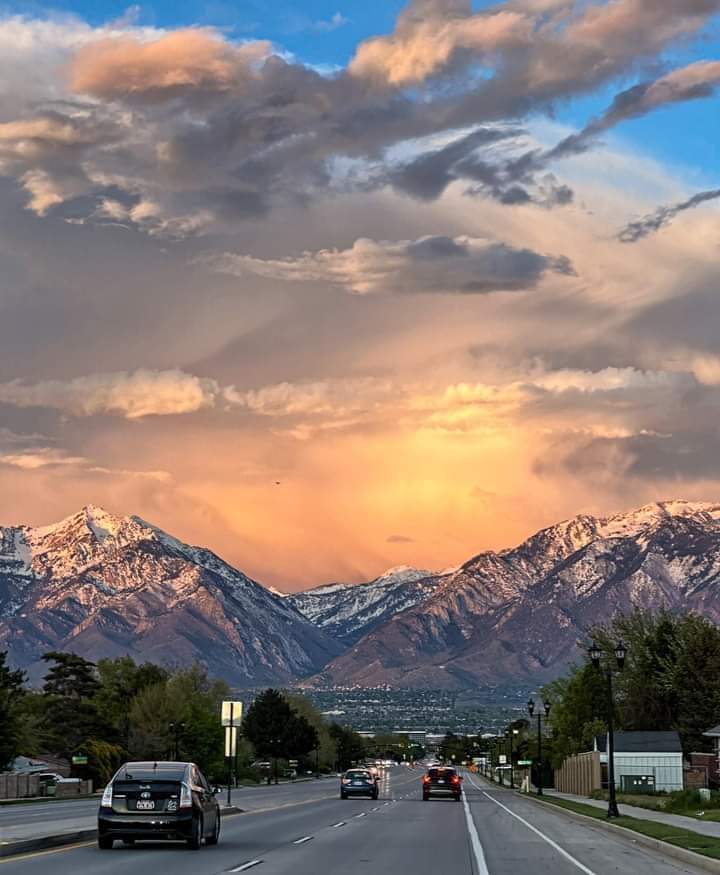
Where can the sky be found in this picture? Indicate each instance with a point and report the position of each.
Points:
(331, 287)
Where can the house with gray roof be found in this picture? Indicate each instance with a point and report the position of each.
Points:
(644, 761)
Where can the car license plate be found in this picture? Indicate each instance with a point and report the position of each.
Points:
(358, 783)
(441, 781)
(145, 805)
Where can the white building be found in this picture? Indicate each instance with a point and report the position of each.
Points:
(644, 761)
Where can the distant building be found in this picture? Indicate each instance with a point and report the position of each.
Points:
(644, 761)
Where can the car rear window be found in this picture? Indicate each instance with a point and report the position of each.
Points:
(146, 772)
(357, 774)
(441, 773)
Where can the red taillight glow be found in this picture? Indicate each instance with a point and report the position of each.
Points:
(456, 779)
(426, 779)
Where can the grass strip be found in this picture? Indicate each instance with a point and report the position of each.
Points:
(708, 846)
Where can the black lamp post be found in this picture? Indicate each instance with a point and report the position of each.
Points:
(606, 664)
(531, 709)
(512, 732)
(177, 729)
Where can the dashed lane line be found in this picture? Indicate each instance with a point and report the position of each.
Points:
(303, 840)
(338, 825)
(245, 866)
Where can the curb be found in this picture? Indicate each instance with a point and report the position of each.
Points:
(57, 840)
(11, 849)
(709, 864)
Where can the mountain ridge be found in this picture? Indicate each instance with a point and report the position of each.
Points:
(105, 585)
(518, 613)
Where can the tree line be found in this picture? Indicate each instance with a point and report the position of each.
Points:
(117, 710)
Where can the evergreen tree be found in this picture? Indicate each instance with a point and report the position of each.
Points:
(11, 693)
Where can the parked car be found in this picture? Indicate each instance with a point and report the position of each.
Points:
(159, 800)
(442, 781)
(358, 782)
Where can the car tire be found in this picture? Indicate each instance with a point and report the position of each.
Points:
(105, 843)
(215, 837)
(457, 798)
(195, 840)
(343, 795)
(426, 798)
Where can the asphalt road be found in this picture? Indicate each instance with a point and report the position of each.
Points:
(51, 816)
(492, 832)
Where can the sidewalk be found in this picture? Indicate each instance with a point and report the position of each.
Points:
(704, 827)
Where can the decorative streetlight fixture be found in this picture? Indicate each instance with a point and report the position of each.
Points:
(531, 709)
(605, 663)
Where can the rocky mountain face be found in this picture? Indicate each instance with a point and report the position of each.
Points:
(519, 613)
(350, 611)
(103, 586)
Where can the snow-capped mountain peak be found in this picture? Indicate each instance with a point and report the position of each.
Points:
(100, 585)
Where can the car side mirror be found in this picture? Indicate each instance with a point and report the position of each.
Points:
(217, 791)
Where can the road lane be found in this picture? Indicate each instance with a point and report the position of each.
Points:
(399, 832)
(244, 837)
(514, 830)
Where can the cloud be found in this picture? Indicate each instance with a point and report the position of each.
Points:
(333, 23)
(184, 61)
(41, 458)
(437, 265)
(212, 132)
(132, 395)
(663, 216)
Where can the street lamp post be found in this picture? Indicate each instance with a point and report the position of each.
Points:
(531, 709)
(606, 665)
(177, 729)
(512, 732)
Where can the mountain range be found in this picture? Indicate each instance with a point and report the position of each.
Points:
(103, 585)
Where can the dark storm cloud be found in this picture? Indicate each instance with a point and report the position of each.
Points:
(435, 265)
(663, 216)
(202, 130)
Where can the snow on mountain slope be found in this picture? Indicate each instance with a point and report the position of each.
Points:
(519, 614)
(349, 611)
(106, 585)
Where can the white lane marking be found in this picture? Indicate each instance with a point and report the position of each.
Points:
(303, 840)
(475, 840)
(555, 845)
(362, 814)
(338, 825)
(246, 866)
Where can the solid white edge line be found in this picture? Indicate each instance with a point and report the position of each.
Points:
(569, 857)
(475, 842)
(302, 840)
(246, 866)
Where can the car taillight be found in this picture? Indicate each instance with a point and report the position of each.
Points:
(106, 801)
(426, 779)
(185, 796)
(346, 780)
(456, 779)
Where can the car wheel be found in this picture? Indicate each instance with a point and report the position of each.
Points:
(105, 843)
(195, 840)
(426, 798)
(214, 838)
(343, 795)
(457, 798)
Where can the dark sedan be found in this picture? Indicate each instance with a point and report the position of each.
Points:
(442, 781)
(159, 800)
(358, 782)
